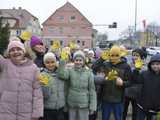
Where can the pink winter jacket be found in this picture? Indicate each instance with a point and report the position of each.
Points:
(20, 92)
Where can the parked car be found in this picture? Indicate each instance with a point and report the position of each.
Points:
(153, 50)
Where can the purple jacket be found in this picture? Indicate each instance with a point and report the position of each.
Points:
(20, 92)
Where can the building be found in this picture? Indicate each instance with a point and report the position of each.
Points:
(20, 20)
(67, 24)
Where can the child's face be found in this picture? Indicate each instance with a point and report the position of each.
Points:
(135, 55)
(50, 64)
(90, 55)
(16, 54)
(79, 62)
(39, 48)
(155, 66)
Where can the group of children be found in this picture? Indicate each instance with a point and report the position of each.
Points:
(73, 85)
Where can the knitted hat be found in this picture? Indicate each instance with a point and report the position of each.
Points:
(115, 50)
(49, 55)
(154, 58)
(115, 55)
(91, 52)
(78, 53)
(15, 43)
(35, 41)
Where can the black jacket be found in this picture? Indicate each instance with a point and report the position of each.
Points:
(149, 98)
(110, 91)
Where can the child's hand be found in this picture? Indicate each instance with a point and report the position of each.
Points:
(119, 81)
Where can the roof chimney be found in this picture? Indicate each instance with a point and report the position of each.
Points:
(13, 8)
(20, 8)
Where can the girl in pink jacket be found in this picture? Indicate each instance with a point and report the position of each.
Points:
(20, 92)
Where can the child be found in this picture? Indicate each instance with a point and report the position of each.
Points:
(117, 74)
(149, 99)
(81, 96)
(131, 93)
(53, 90)
(39, 49)
(20, 92)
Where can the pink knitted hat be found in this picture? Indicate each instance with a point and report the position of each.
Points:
(15, 43)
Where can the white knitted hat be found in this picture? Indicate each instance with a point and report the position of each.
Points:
(49, 55)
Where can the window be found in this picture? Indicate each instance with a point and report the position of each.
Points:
(61, 42)
(83, 43)
(61, 18)
(83, 27)
(61, 30)
(51, 42)
(72, 18)
(50, 29)
(78, 41)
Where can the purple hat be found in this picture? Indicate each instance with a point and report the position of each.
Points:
(35, 41)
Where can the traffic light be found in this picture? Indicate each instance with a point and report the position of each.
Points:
(114, 25)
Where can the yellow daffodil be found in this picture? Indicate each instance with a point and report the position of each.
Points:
(138, 63)
(64, 55)
(26, 36)
(56, 44)
(72, 45)
(112, 75)
(105, 55)
(44, 79)
(124, 51)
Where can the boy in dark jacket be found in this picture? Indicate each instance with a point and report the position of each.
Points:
(117, 74)
(149, 99)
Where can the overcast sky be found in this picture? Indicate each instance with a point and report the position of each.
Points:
(96, 11)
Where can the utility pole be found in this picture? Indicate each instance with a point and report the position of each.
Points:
(135, 29)
(135, 24)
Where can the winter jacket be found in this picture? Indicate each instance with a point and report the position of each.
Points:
(110, 91)
(20, 92)
(39, 60)
(134, 89)
(54, 92)
(81, 88)
(149, 98)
